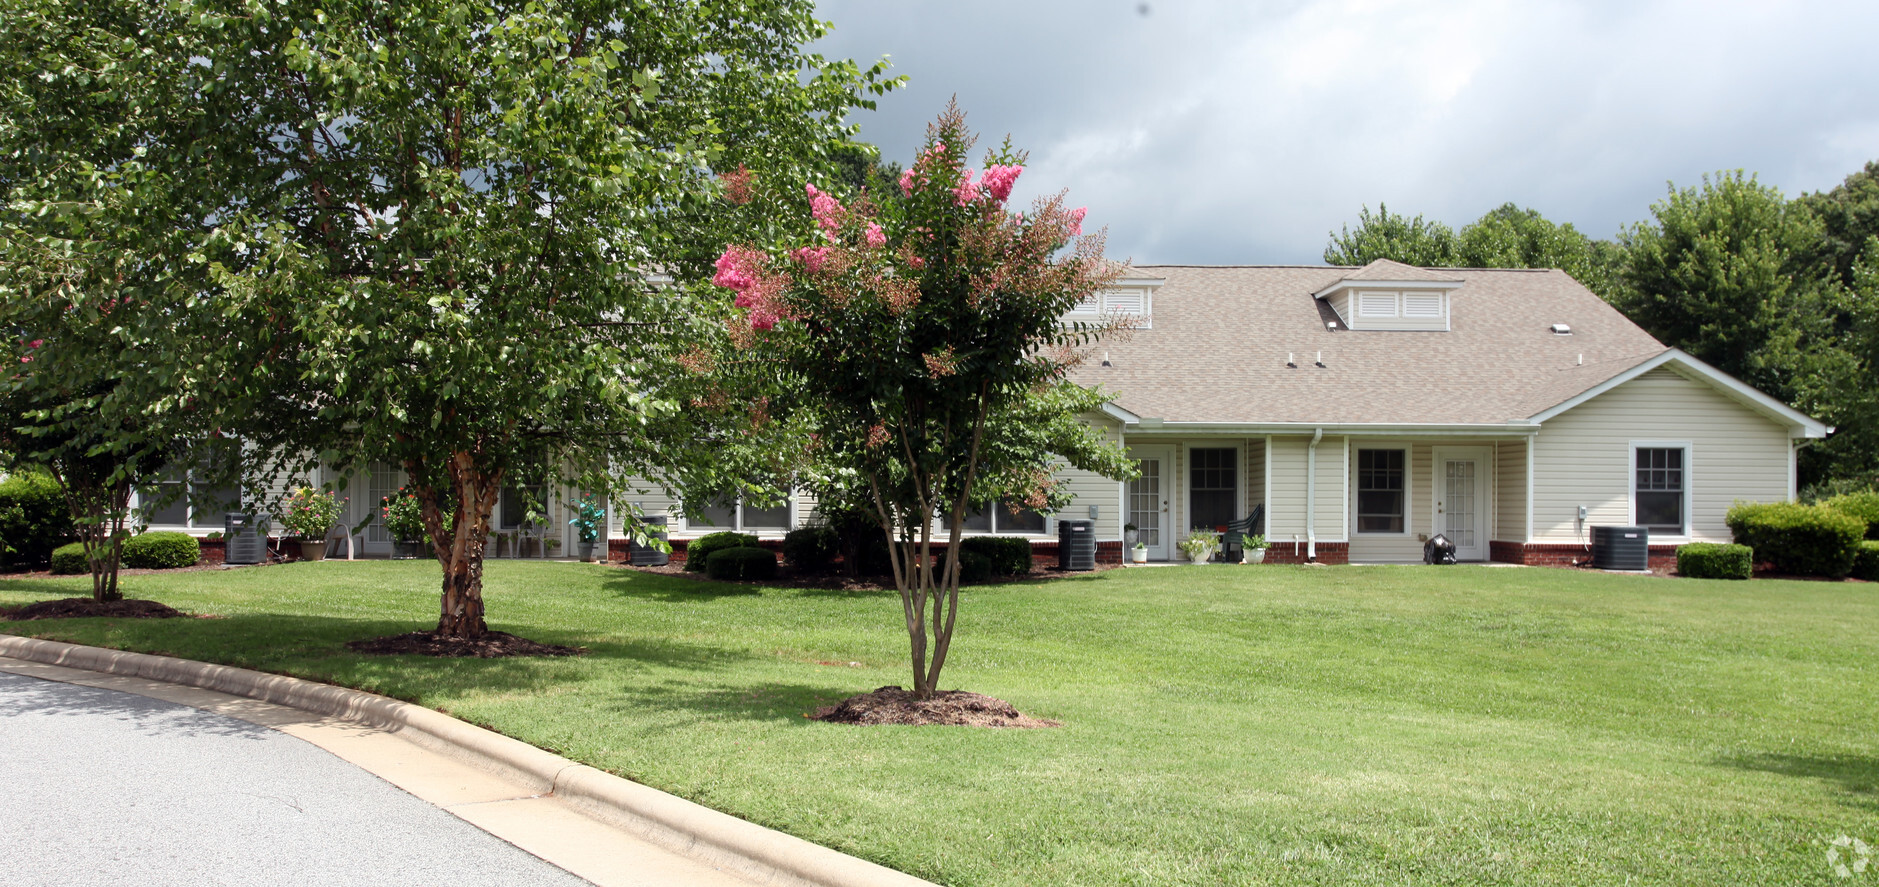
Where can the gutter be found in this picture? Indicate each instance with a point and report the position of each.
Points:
(1311, 496)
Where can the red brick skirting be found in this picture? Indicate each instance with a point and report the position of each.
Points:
(1289, 553)
(1540, 554)
(1043, 552)
(214, 551)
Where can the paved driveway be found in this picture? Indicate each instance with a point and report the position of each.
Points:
(104, 787)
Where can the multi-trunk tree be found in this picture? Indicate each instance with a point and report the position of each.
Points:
(919, 336)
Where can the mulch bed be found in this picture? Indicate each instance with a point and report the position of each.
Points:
(492, 645)
(955, 708)
(84, 607)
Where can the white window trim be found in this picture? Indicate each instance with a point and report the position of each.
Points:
(1186, 480)
(1396, 305)
(189, 524)
(737, 519)
(1689, 483)
(1409, 486)
(997, 508)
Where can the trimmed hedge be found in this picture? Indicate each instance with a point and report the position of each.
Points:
(974, 568)
(1708, 560)
(740, 564)
(34, 518)
(811, 549)
(1807, 540)
(69, 559)
(1008, 555)
(1866, 562)
(1863, 505)
(161, 551)
(698, 551)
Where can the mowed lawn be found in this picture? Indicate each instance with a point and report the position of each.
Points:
(1222, 725)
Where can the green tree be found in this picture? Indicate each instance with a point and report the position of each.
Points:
(1723, 271)
(1849, 217)
(469, 207)
(1399, 238)
(1514, 237)
(919, 333)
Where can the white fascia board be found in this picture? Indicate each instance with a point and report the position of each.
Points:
(1150, 282)
(1390, 284)
(1799, 424)
(1363, 429)
(1120, 414)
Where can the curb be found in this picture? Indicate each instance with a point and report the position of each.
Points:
(765, 856)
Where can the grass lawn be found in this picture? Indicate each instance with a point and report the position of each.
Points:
(1223, 725)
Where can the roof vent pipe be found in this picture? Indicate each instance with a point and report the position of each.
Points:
(1311, 496)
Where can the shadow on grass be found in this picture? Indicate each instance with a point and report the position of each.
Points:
(674, 589)
(770, 702)
(1857, 775)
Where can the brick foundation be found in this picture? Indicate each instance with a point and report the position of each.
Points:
(1290, 553)
(214, 551)
(1542, 554)
(1043, 553)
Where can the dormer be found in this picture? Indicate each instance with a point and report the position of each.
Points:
(1386, 295)
(1128, 296)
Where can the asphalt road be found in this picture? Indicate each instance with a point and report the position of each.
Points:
(109, 788)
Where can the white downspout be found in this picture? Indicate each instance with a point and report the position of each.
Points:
(1311, 496)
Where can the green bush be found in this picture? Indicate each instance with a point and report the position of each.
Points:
(161, 551)
(974, 568)
(699, 550)
(811, 549)
(1807, 540)
(1008, 555)
(1708, 560)
(740, 564)
(69, 559)
(34, 518)
(1866, 563)
(1863, 505)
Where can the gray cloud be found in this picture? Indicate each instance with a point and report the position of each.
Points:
(1235, 132)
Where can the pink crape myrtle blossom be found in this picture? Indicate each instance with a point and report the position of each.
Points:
(876, 237)
(827, 211)
(906, 183)
(737, 185)
(739, 268)
(966, 192)
(998, 180)
(811, 257)
(1076, 220)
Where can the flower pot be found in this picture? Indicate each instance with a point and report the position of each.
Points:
(1139, 555)
(1254, 556)
(313, 549)
(586, 548)
(404, 551)
(1130, 537)
(1200, 557)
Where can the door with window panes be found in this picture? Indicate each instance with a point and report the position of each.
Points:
(1148, 500)
(1462, 502)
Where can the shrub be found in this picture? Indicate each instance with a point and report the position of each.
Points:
(161, 551)
(740, 564)
(1708, 560)
(974, 568)
(34, 518)
(308, 513)
(1808, 540)
(69, 559)
(811, 549)
(699, 550)
(1866, 563)
(1863, 505)
(1008, 555)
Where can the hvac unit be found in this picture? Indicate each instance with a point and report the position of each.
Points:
(1621, 548)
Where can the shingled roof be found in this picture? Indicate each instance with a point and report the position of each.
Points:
(1216, 352)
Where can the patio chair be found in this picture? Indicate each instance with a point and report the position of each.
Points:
(1233, 539)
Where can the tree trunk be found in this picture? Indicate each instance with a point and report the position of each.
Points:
(460, 545)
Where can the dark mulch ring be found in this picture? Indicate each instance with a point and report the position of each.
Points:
(84, 607)
(492, 645)
(953, 708)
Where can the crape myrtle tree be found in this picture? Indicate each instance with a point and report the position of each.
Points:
(473, 205)
(117, 364)
(918, 332)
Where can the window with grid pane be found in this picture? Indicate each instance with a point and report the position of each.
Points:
(1659, 504)
(1380, 491)
(1213, 482)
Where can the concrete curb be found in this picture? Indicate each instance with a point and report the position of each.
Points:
(763, 855)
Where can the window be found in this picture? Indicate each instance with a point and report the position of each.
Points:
(733, 513)
(1213, 486)
(193, 499)
(516, 502)
(1659, 492)
(1380, 487)
(1001, 519)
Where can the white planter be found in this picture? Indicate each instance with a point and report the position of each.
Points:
(1138, 555)
(1253, 556)
(1201, 557)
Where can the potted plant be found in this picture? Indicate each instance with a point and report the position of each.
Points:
(1200, 545)
(1254, 550)
(404, 520)
(1130, 534)
(308, 513)
(588, 516)
(1139, 553)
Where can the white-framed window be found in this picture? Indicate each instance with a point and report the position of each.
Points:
(1383, 490)
(513, 507)
(1376, 304)
(1000, 518)
(733, 513)
(1660, 486)
(188, 498)
(1213, 486)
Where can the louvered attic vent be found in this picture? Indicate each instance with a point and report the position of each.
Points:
(1132, 297)
(1391, 304)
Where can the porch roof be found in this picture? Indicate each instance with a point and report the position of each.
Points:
(1221, 336)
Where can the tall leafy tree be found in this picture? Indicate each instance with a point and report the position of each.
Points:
(919, 333)
(1510, 236)
(1849, 217)
(472, 205)
(1388, 235)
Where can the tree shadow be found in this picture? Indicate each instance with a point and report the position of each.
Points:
(22, 696)
(769, 702)
(1856, 775)
(675, 589)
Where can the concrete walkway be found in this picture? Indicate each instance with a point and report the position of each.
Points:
(114, 779)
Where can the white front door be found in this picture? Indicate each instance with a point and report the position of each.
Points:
(1149, 499)
(1462, 502)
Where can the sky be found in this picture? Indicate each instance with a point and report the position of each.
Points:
(1247, 132)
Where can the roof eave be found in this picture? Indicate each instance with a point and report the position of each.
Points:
(1800, 425)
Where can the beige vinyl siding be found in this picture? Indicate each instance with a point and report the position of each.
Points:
(1089, 488)
(1255, 479)
(651, 499)
(1510, 491)
(1286, 521)
(1393, 548)
(1583, 456)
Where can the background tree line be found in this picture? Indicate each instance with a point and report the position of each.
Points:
(1782, 293)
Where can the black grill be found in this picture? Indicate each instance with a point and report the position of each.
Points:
(1621, 548)
(1076, 545)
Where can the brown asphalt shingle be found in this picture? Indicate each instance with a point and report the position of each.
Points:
(1217, 349)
